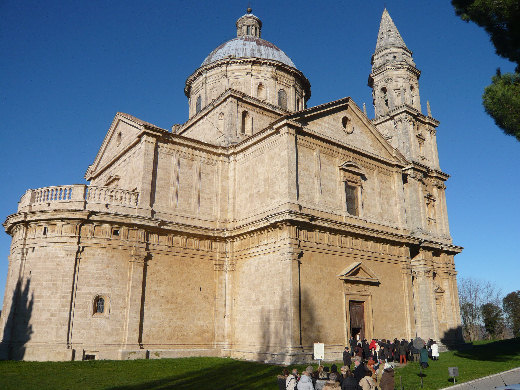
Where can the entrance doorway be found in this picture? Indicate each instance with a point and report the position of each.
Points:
(357, 319)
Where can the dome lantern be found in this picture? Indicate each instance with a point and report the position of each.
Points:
(249, 25)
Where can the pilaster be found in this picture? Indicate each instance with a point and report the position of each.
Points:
(424, 299)
(135, 300)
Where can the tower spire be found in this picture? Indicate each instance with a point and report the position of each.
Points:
(388, 36)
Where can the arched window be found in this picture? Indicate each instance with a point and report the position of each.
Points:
(99, 305)
(198, 105)
(282, 99)
(385, 96)
(353, 176)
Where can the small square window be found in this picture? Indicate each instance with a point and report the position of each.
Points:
(99, 305)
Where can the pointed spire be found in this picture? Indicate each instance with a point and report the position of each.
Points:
(428, 108)
(388, 34)
(365, 109)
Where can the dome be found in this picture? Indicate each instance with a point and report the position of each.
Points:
(248, 47)
(248, 44)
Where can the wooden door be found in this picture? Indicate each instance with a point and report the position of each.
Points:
(357, 319)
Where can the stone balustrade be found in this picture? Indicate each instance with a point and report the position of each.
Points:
(78, 197)
(112, 196)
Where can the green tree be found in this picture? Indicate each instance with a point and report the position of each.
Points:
(493, 319)
(511, 304)
(501, 20)
(502, 102)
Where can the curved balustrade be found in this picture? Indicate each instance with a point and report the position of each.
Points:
(52, 194)
(77, 197)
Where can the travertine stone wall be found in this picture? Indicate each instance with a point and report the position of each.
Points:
(259, 79)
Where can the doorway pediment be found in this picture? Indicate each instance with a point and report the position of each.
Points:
(358, 273)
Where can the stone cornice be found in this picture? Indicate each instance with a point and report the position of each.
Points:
(285, 216)
(394, 66)
(255, 61)
(406, 109)
(227, 94)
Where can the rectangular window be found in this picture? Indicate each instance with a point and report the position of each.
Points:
(351, 195)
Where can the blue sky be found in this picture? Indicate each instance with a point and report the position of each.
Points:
(67, 67)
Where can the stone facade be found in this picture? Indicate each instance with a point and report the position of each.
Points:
(250, 231)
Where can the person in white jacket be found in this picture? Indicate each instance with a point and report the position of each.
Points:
(292, 380)
(435, 351)
(305, 382)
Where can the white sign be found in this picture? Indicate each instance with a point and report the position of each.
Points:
(319, 351)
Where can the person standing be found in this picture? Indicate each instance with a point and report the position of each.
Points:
(423, 358)
(402, 352)
(349, 382)
(292, 380)
(282, 379)
(387, 379)
(359, 371)
(347, 358)
(367, 382)
(435, 351)
(305, 382)
(353, 345)
(366, 349)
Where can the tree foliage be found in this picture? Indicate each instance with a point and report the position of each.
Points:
(493, 319)
(501, 20)
(473, 294)
(511, 304)
(501, 101)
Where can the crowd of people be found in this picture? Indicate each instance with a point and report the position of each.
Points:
(366, 366)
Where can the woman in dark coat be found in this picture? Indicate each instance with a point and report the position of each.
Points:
(347, 358)
(402, 352)
(423, 359)
(282, 378)
(387, 380)
(348, 383)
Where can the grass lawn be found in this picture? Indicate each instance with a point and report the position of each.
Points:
(218, 373)
(482, 359)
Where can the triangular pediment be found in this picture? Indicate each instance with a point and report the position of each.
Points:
(439, 290)
(343, 122)
(352, 167)
(122, 134)
(358, 273)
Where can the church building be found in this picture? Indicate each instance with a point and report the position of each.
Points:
(255, 229)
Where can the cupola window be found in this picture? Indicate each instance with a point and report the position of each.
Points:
(260, 91)
(282, 99)
(198, 105)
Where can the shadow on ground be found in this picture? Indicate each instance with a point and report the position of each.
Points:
(497, 351)
(215, 378)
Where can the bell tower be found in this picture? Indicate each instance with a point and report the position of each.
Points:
(395, 92)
